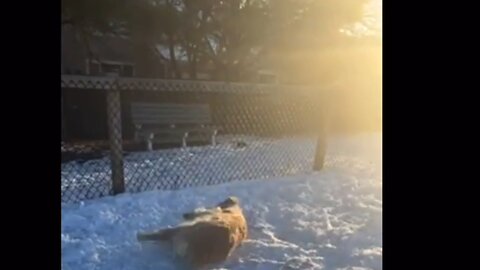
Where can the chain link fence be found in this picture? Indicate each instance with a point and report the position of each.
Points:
(176, 134)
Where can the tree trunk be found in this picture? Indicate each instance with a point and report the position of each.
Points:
(173, 60)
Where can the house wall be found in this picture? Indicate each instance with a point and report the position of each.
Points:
(108, 49)
(73, 54)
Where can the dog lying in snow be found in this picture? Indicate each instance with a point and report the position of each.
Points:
(205, 237)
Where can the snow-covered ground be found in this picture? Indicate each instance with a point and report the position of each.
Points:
(326, 220)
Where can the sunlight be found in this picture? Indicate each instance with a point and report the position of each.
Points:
(371, 23)
(374, 10)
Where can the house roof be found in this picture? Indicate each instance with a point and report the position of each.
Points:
(106, 47)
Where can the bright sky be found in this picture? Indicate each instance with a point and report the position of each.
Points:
(371, 23)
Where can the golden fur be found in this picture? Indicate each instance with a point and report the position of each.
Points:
(206, 237)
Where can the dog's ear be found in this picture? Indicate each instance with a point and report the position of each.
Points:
(188, 216)
(233, 200)
(229, 202)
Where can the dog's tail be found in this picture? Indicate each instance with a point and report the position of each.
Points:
(161, 235)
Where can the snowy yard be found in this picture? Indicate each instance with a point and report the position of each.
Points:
(327, 220)
(192, 166)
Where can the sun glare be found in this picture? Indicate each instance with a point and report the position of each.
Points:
(370, 24)
(376, 12)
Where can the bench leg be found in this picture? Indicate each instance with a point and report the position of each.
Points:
(184, 139)
(149, 142)
(214, 137)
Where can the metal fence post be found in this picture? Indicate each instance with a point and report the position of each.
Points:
(115, 138)
(320, 150)
(63, 115)
(321, 147)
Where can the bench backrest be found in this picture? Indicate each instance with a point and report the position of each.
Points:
(168, 113)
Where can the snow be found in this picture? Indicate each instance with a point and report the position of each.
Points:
(192, 166)
(325, 220)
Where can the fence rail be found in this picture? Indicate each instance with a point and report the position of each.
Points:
(262, 131)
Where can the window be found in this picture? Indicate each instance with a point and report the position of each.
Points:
(127, 71)
(123, 69)
(111, 68)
